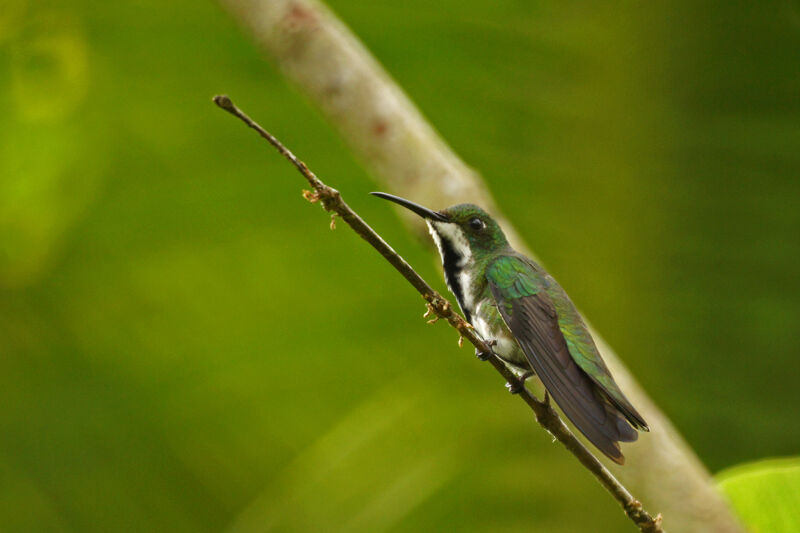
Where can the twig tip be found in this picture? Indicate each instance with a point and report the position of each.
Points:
(224, 101)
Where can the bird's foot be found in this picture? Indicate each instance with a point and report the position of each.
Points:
(517, 387)
(483, 356)
(546, 398)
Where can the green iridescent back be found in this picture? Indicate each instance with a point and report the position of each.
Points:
(517, 277)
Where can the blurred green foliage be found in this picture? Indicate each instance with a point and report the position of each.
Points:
(765, 494)
(185, 346)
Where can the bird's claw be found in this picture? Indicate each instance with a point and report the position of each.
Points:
(484, 356)
(515, 388)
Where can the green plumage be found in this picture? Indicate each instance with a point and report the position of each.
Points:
(516, 276)
(511, 300)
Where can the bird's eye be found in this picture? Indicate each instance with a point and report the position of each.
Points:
(476, 224)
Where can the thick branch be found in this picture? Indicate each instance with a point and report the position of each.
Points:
(332, 201)
(320, 55)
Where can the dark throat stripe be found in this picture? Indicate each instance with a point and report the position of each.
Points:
(450, 262)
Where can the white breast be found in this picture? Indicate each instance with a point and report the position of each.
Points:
(506, 347)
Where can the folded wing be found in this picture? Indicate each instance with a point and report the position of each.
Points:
(530, 314)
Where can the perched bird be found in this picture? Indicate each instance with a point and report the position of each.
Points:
(532, 324)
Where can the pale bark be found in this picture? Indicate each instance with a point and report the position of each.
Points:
(322, 57)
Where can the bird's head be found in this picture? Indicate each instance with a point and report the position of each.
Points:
(461, 232)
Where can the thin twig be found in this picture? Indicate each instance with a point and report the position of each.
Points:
(315, 51)
(548, 418)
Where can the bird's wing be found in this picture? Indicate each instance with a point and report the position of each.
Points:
(585, 353)
(530, 314)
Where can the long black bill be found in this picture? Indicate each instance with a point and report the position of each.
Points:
(424, 212)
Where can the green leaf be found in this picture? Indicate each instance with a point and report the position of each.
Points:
(765, 494)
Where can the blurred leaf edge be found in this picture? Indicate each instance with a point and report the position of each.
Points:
(765, 493)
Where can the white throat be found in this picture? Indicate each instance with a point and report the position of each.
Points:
(456, 260)
(455, 236)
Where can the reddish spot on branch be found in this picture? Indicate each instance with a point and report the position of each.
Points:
(379, 128)
(298, 16)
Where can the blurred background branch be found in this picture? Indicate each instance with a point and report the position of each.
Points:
(319, 54)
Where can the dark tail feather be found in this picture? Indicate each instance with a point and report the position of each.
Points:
(606, 432)
(624, 433)
(629, 412)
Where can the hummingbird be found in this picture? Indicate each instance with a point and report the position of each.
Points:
(530, 322)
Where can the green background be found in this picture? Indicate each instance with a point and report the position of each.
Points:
(185, 345)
